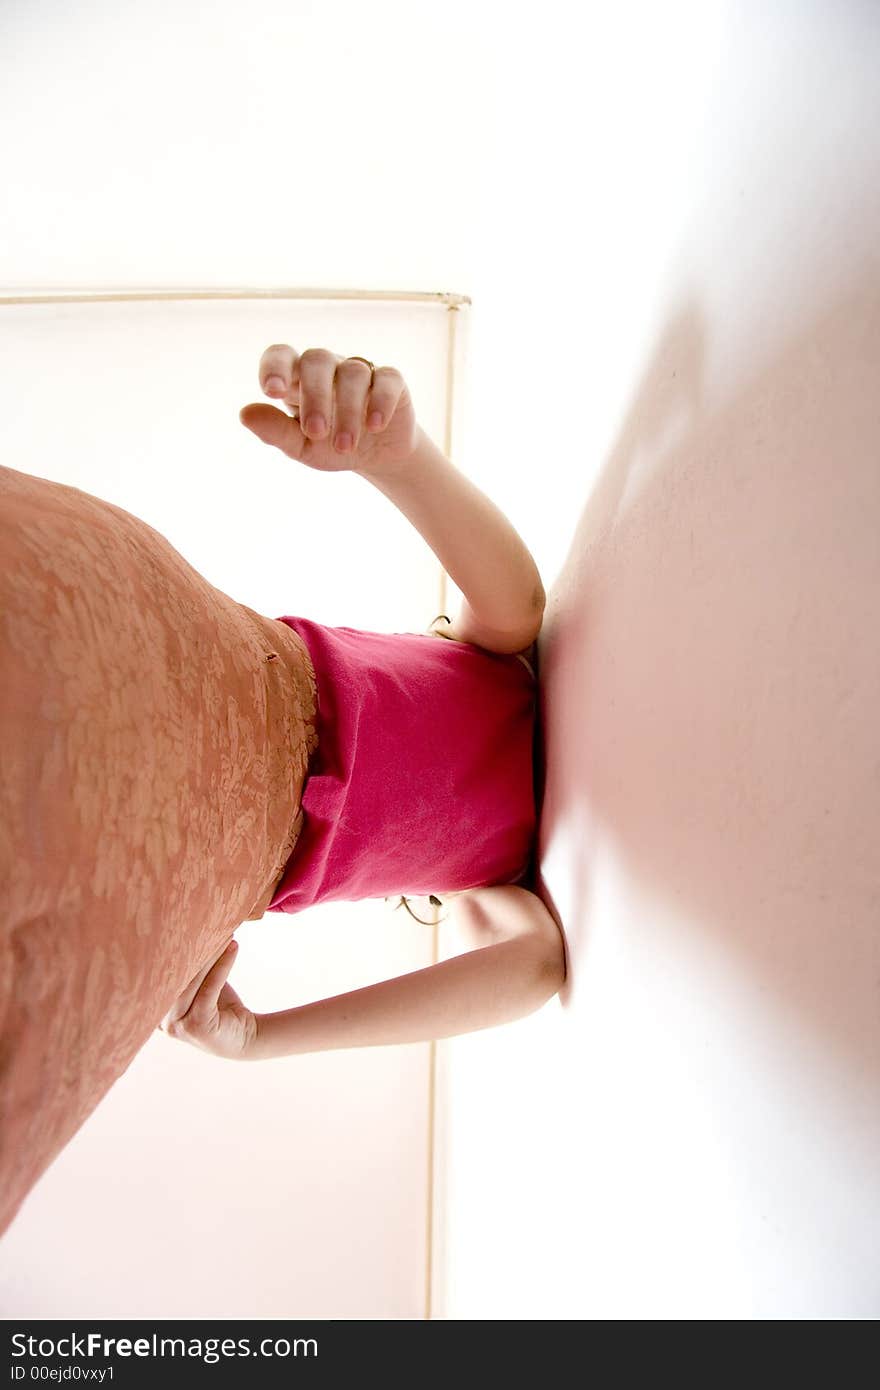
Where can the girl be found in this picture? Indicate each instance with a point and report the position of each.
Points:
(345, 414)
(175, 763)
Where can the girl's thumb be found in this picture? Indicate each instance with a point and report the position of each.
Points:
(273, 427)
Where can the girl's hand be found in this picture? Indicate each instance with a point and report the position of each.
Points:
(209, 1013)
(334, 401)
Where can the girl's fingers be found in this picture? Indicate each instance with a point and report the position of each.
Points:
(352, 385)
(388, 387)
(337, 400)
(331, 392)
(277, 370)
(275, 428)
(184, 1001)
(317, 369)
(208, 993)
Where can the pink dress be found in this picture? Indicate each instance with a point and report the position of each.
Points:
(422, 780)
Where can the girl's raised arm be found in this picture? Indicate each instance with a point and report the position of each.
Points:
(349, 416)
(474, 542)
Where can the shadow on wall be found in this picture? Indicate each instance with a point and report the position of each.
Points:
(710, 664)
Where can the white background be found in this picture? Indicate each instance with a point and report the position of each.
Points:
(667, 218)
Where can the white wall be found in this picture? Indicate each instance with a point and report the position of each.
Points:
(693, 1130)
(667, 219)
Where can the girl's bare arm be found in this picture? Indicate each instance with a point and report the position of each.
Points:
(475, 543)
(517, 968)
